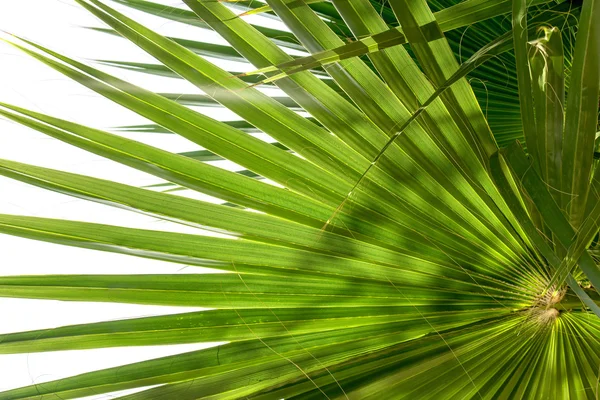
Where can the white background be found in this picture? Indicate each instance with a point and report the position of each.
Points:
(28, 83)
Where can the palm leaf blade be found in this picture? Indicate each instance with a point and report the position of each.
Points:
(366, 235)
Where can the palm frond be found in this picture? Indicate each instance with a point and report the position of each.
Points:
(376, 239)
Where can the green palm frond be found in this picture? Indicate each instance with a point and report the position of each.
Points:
(385, 234)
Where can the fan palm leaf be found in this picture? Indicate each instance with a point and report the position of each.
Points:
(386, 237)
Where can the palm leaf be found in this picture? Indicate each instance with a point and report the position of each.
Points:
(381, 244)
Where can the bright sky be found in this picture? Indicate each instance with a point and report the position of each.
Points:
(26, 82)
